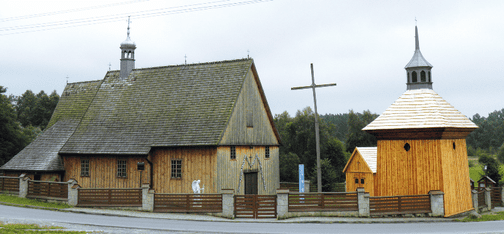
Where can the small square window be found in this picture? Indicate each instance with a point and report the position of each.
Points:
(267, 152)
(121, 168)
(84, 167)
(176, 168)
(233, 152)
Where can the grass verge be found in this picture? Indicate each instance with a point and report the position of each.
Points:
(31, 202)
(486, 217)
(31, 228)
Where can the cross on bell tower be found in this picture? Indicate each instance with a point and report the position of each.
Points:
(127, 54)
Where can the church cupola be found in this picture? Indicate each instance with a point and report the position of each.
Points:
(418, 70)
(127, 55)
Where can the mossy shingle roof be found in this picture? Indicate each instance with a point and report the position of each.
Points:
(184, 105)
(42, 153)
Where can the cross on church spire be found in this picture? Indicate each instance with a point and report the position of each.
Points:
(317, 137)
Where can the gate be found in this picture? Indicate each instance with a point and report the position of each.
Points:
(255, 206)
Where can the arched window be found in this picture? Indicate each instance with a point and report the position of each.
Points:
(422, 76)
(430, 77)
(408, 80)
(414, 77)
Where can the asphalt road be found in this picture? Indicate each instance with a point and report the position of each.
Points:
(113, 224)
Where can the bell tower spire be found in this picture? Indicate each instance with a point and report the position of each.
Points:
(127, 54)
(418, 70)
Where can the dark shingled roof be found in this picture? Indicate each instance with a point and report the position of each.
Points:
(42, 153)
(184, 105)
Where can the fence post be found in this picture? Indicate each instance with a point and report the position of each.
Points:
(283, 203)
(228, 203)
(23, 185)
(363, 202)
(147, 198)
(502, 195)
(488, 198)
(475, 200)
(307, 186)
(73, 192)
(437, 202)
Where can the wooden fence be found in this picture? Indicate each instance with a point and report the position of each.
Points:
(110, 197)
(495, 195)
(45, 189)
(412, 204)
(10, 184)
(204, 203)
(255, 206)
(305, 202)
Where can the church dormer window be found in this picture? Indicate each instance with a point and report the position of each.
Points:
(422, 76)
(414, 77)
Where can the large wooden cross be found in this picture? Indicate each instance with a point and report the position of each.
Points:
(317, 140)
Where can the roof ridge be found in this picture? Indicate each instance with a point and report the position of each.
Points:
(84, 82)
(194, 64)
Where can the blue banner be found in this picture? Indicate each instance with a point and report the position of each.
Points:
(301, 178)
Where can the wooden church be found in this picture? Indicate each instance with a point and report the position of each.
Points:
(163, 126)
(421, 145)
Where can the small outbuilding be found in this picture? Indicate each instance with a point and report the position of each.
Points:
(486, 182)
(361, 169)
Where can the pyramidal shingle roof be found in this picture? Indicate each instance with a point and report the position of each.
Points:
(420, 108)
(183, 105)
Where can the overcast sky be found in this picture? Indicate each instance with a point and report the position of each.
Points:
(362, 46)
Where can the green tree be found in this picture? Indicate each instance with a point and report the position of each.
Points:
(36, 110)
(340, 121)
(298, 146)
(491, 167)
(357, 137)
(12, 139)
(289, 167)
(500, 154)
(329, 175)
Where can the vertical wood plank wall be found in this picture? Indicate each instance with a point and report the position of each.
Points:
(249, 101)
(458, 196)
(430, 164)
(357, 168)
(197, 164)
(230, 169)
(401, 172)
(103, 172)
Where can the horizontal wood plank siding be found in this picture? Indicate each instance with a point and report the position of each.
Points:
(197, 164)
(103, 172)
